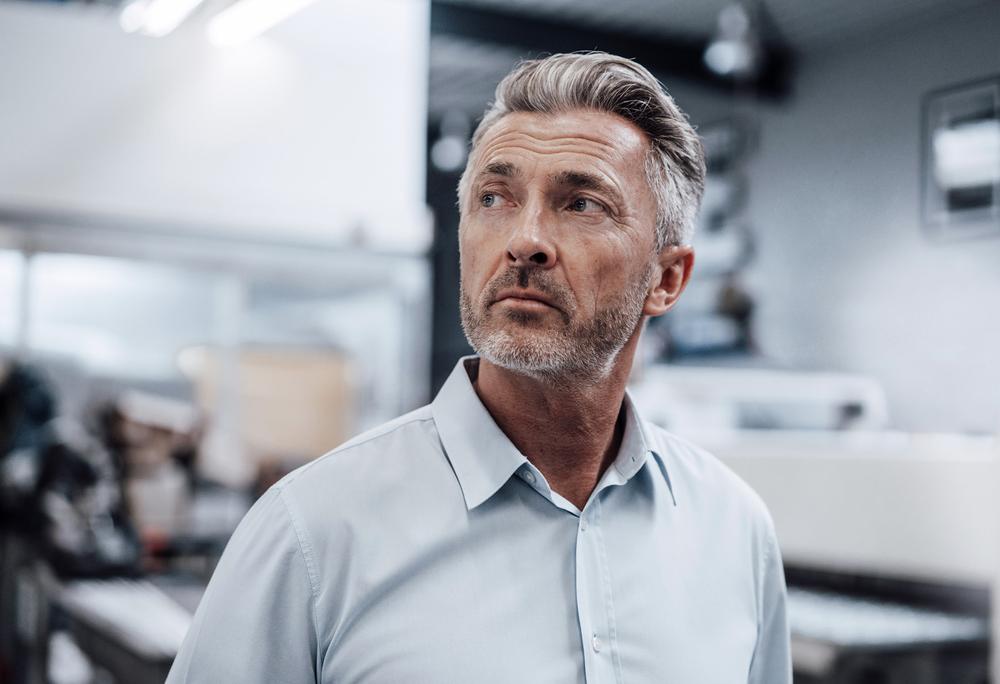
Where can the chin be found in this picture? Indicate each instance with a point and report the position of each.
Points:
(542, 356)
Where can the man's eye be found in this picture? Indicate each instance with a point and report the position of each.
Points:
(488, 199)
(584, 205)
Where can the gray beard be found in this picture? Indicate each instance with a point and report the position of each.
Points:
(582, 350)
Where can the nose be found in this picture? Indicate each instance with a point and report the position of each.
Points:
(529, 245)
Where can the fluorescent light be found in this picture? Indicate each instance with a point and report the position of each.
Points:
(163, 16)
(133, 15)
(246, 19)
(156, 17)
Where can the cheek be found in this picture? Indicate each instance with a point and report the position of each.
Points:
(603, 259)
(471, 264)
(481, 252)
(605, 266)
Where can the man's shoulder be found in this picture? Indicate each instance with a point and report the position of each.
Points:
(402, 442)
(698, 476)
(379, 477)
(380, 438)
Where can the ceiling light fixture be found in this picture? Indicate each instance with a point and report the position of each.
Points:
(735, 49)
(246, 19)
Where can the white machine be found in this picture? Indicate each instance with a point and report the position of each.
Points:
(848, 496)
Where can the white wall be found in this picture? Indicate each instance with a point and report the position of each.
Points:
(845, 277)
(307, 131)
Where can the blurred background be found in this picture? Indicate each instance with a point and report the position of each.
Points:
(228, 243)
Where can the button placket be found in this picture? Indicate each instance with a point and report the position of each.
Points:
(593, 597)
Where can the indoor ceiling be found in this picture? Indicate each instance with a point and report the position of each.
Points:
(464, 71)
(466, 65)
(807, 25)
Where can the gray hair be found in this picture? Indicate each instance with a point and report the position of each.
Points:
(675, 163)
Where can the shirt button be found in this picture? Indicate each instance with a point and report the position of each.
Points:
(595, 643)
(583, 524)
(529, 477)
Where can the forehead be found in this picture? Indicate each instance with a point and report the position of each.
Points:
(585, 139)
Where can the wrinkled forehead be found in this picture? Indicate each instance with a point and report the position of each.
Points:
(601, 128)
(586, 138)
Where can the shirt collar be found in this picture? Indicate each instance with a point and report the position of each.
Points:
(635, 448)
(480, 453)
(482, 456)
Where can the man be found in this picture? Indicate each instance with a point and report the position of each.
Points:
(527, 526)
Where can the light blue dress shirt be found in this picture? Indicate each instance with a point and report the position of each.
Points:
(430, 551)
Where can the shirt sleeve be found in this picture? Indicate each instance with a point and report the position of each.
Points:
(256, 621)
(772, 662)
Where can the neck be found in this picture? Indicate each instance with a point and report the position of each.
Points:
(570, 429)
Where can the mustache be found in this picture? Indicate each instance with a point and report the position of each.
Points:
(525, 277)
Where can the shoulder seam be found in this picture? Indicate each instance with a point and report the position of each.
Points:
(305, 547)
(312, 572)
(349, 445)
(768, 543)
(380, 433)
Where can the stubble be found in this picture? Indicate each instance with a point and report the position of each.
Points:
(530, 344)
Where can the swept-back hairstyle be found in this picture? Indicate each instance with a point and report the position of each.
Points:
(675, 162)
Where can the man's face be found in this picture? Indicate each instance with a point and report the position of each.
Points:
(557, 242)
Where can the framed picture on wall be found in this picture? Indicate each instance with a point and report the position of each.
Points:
(961, 160)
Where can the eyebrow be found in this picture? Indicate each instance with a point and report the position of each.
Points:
(581, 180)
(498, 168)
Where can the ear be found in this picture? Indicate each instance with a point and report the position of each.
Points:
(674, 266)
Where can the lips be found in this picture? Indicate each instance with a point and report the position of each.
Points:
(524, 295)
